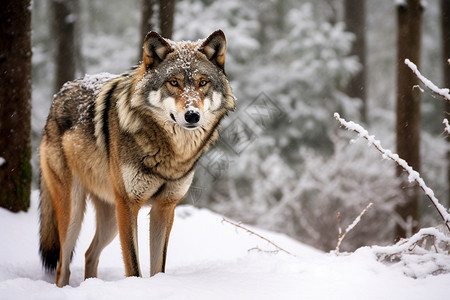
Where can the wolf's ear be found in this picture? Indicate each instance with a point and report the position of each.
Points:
(214, 48)
(156, 49)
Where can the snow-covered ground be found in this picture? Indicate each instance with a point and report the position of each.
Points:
(207, 259)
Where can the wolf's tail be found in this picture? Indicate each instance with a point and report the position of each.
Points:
(49, 242)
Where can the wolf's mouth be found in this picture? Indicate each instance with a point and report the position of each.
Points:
(173, 117)
(190, 126)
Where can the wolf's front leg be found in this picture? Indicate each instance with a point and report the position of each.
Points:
(127, 213)
(161, 220)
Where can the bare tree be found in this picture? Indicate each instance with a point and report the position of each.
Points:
(65, 16)
(355, 20)
(445, 20)
(409, 20)
(15, 104)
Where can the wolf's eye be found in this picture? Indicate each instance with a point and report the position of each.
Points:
(173, 82)
(202, 83)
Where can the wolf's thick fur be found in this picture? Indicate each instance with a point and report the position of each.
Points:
(128, 141)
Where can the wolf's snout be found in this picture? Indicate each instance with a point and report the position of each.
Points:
(192, 116)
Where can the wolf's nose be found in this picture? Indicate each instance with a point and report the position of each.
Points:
(192, 117)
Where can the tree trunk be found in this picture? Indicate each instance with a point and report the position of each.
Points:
(65, 16)
(445, 19)
(166, 16)
(409, 19)
(146, 21)
(15, 104)
(355, 20)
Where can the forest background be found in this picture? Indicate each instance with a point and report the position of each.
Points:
(282, 162)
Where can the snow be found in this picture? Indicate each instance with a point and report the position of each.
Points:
(93, 82)
(208, 259)
(70, 18)
(400, 2)
(445, 122)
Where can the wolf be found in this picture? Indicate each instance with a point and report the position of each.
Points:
(128, 141)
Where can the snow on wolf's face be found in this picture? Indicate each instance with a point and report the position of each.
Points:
(189, 84)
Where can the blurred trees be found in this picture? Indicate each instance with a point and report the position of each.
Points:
(15, 104)
(279, 163)
(164, 10)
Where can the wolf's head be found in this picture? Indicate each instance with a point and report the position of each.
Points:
(184, 82)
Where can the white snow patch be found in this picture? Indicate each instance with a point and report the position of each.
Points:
(96, 81)
(207, 259)
(93, 82)
(400, 2)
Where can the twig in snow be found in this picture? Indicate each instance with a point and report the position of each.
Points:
(445, 93)
(264, 251)
(258, 235)
(349, 227)
(412, 174)
(338, 216)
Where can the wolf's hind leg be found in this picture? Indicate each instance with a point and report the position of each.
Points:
(104, 234)
(69, 225)
(161, 220)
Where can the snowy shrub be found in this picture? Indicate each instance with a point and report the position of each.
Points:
(423, 254)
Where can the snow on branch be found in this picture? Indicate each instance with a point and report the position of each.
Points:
(412, 174)
(447, 126)
(418, 239)
(349, 227)
(442, 92)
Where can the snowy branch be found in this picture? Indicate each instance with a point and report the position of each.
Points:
(350, 227)
(406, 245)
(258, 235)
(442, 92)
(412, 174)
(447, 126)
